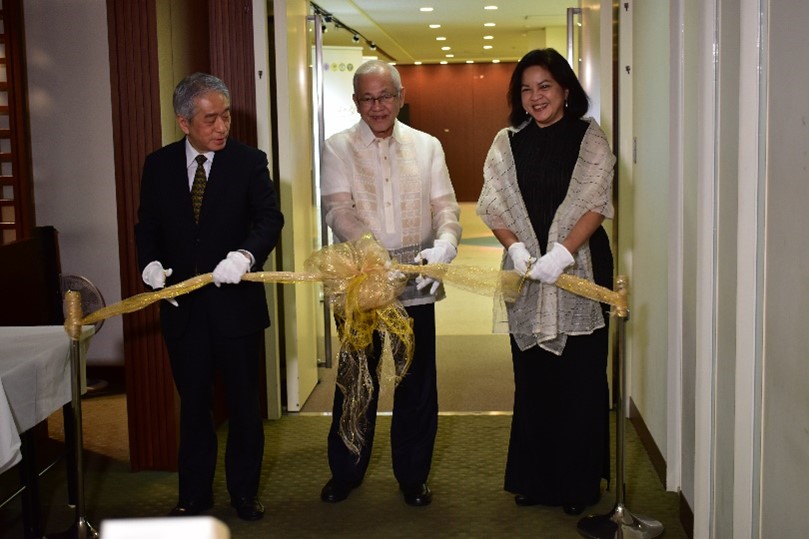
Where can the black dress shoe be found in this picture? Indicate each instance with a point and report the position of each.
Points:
(574, 509)
(191, 508)
(578, 508)
(248, 507)
(417, 495)
(336, 491)
(524, 501)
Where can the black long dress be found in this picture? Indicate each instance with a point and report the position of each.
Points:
(559, 446)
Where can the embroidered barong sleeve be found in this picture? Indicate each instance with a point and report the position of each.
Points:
(338, 205)
(443, 205)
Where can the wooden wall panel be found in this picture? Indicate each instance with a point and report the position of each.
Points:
(151, 400)
(233, 60)
(463, 105)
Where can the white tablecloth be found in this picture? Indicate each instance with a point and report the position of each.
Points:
(34, 381)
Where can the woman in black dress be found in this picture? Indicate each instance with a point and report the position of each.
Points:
(547, 189)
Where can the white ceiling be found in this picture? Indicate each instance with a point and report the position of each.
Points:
(402, 31)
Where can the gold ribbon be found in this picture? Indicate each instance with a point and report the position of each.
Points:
(362, 284)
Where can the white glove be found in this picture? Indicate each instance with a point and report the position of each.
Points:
(155, 276)
(520, 257)
(231, 268)
(394, 274)
(442, 252)
(551, 264)
(423, 282)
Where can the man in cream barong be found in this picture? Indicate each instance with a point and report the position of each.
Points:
(385, 178)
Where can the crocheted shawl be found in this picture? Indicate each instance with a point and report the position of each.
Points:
(545, 315)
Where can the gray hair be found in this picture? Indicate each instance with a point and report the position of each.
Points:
(191, 88)
(377, 67)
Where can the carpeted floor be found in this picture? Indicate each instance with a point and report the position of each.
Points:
(466, 481)
(474, 375)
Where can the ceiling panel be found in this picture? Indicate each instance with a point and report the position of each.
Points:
(402, 32)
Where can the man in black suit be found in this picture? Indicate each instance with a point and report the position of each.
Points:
(229, 230)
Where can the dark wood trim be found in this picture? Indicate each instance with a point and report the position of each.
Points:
(655, 456)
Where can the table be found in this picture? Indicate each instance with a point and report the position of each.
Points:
(34, 381)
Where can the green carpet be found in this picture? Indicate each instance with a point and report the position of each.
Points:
(466, 480)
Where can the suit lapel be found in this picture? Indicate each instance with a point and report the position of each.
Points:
(222, 162)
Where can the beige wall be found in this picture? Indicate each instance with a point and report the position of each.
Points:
(294, 133)
(785, 403)
(71, 144)
(648, 200)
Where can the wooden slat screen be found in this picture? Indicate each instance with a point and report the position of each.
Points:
(17, 218)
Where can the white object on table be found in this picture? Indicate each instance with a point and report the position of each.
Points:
(203, 527)
(34, 380)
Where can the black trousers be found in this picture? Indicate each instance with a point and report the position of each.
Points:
(196, 355)
(559, 445)
(415, 412)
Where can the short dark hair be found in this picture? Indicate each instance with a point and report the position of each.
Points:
(555, 63)
(191, 88)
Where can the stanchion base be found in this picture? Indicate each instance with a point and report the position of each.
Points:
(79, 530)
(619, 524)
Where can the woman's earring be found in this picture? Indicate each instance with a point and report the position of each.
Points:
(565, 103)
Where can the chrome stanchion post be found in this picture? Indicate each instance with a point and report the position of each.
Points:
(82, 528)
(620, 523)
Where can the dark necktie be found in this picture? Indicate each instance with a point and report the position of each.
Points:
(198, 187)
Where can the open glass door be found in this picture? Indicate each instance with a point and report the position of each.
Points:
(333, 62)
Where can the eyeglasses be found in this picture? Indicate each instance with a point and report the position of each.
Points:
(383, 99)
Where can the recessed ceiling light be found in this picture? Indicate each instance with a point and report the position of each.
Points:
(435, 26)
(440, 38)
(490, 7)
(446, 48)
(489, 24)
(488, 37)
(449, 55)
(496, 61)
(417, 63)
(470, 61)
(443, 62)
(487, 47)
(425, 9)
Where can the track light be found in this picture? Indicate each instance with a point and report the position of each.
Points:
(372, 45)
(356, 38)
